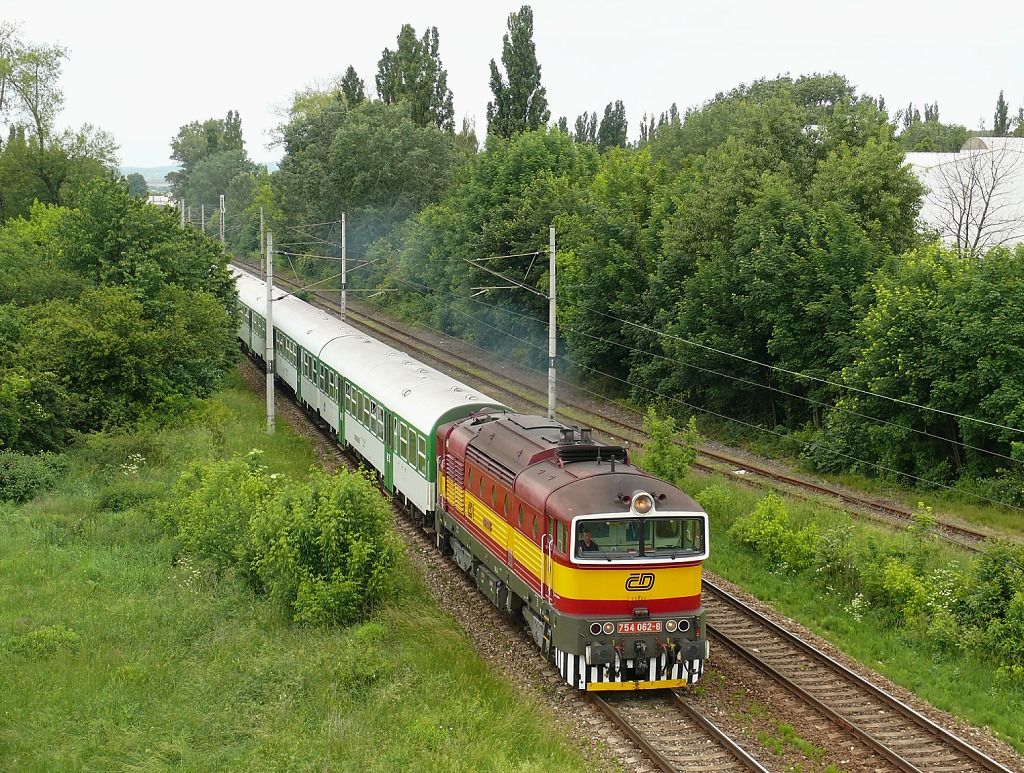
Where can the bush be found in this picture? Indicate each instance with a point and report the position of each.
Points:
(662, 457)
(22, 476)
(211, 506)
(717, 501)
(766, 531)
(326, 550)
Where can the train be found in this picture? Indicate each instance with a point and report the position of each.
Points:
(600, 561)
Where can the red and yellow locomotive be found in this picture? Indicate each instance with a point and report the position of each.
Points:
(601, 560)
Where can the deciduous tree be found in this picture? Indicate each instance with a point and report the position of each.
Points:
(612, 132)
(413, 72)
(520, 101)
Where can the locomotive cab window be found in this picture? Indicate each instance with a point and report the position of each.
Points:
(638, 538)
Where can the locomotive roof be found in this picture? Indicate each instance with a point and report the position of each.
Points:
(418, 393)
(551, 468)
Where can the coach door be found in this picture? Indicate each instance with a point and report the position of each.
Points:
(390, 444)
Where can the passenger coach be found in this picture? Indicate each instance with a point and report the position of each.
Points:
(376, 399)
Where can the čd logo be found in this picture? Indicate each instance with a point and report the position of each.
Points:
(640, 581)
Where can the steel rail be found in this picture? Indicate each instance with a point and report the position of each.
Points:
(856, 679)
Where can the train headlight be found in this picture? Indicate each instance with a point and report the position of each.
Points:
(595, 629)
(684, 625)
(609, 628)
(643, 503)
(670, 626)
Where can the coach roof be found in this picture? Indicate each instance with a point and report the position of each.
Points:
(419, 394)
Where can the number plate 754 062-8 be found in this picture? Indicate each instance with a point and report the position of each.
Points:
(644, 626)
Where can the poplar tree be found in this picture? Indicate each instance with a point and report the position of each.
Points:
(520, 102)
(352, 86)
(612, 133)
(413, 72)
(1001, 126)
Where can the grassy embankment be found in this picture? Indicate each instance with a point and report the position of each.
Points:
(963, 683)
(111, 657)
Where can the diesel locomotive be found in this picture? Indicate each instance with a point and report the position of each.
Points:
(601, 561)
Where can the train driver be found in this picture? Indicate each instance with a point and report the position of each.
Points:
(585, 542)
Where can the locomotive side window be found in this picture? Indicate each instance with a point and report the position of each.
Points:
(536, 526)
(521, 516)
(508, 505)
(562, 537)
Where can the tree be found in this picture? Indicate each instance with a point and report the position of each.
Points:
(352, 86)
(612, 133)
(1001, 122)
(933, 136)
(137, 185)
(197, 140)
(371, 161)
(29, 75)
(37, 162)
(520, 101)
(585, 129)
(413, 73)
(927, 339)
(973, 198)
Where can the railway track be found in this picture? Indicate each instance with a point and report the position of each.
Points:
(674, 735)
(895, 731)
(531, 396)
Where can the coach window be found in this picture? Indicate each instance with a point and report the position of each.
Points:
(404, 440)
(421, 455)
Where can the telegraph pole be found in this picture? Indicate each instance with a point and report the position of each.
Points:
(344, 278)
(222, 219)
(551, 324)
(262, 251)
(269, 341)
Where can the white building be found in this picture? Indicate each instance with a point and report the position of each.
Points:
(975, 197)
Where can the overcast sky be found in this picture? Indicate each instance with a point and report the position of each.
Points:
(141, 69)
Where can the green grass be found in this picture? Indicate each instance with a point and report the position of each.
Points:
(963, 684)
(114, 657)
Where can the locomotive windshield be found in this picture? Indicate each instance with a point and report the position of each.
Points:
(636, 538)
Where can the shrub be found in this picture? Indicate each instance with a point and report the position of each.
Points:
(662, 457)
(211, 505)
(766, 531)
(326, 550)
(717, 501)
(896, 587)
(22, 476)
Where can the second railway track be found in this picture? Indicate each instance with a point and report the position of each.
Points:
(478, 373)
